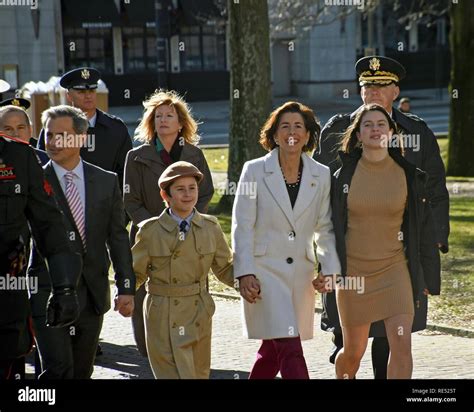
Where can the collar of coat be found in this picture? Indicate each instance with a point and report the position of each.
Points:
(272, 163)
(105, 119)
(147, 153)
(170, 224)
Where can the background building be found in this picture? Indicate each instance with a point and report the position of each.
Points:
(184, 47)
(121, 39)
(320, 63)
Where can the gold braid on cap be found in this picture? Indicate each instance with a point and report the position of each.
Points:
(378, 77)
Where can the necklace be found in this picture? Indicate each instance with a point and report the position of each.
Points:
(297, 183)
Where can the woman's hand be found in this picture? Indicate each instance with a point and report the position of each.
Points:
(249, 287)
(321, 285)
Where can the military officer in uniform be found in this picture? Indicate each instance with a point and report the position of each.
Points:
(26, 199)
(15, 122)
(18, 102)
(108, 138)
(24, 105)
(379, 79)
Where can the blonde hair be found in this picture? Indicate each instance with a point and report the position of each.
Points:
(146, 129)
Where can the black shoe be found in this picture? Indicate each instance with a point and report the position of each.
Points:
(337, 340)
(99, 351)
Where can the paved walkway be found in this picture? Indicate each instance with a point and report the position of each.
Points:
(436, 356)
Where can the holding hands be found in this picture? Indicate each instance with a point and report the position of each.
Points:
(124, 304)
(321, 285)
(249, 287)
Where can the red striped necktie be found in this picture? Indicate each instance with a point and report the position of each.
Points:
(75, 204)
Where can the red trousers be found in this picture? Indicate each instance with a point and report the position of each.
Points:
(284, 355)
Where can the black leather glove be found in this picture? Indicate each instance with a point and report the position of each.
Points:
(63, 305)
(62, 308)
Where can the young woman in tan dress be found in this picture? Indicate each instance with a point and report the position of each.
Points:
(379, 211)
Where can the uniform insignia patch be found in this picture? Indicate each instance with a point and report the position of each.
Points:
(374, 64)
(7, 172)
(85, 74)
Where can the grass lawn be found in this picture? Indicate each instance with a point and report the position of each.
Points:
(443, 148)
(225, 222)
(455, 305)
(217, 159)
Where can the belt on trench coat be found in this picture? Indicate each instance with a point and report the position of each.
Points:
(176, 291)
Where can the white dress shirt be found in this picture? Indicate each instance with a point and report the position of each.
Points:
(92, 120)
(179, 219)
(78, 180)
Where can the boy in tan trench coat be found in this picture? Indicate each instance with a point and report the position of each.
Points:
(173, 254)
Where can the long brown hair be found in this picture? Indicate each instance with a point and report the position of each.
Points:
(267, 134)
(349, 141)
(146, 129)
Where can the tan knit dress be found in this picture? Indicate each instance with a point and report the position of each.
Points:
(376, 203)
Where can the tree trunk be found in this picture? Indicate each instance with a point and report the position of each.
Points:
(461, 124)
(250, 87)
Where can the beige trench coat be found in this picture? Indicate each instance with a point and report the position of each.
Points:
(178, 308)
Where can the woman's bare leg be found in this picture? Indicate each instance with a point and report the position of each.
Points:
(400, 362)
(355, 342)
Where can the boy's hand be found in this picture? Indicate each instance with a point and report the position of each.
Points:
(249, 288)
(125, 305)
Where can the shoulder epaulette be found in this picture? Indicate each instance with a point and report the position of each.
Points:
(147, 222)
(211, 218)
(337, 118)
(414, 117)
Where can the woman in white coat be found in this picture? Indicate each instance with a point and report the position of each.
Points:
(281, 207)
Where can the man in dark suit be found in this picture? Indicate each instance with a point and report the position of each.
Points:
(379, 79)
(91, 202)
(108, 141)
